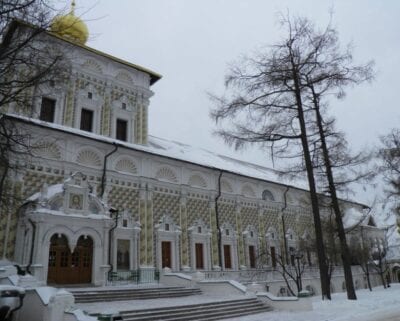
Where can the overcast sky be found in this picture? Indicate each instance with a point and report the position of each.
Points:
(190, 43)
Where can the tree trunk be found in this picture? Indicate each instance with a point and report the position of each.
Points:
(323, 269)
(345, 253)
(367, 276)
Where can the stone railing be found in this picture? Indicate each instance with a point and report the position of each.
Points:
(268, 274)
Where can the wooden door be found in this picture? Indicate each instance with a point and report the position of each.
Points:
(166, 255)
(273, 256)
(199, 256)
(227, 257)
(70, 268)
(84, 250)
(252, 256)
(59, 260)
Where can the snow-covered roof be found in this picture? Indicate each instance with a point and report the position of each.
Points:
(51, 191)
(183, 152)
(353, 217)
(179, 151)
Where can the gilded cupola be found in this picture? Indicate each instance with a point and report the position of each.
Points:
(70, 27)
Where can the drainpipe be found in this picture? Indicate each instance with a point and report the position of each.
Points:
(32, 245)
(103, 178)
(110, 232)
(27, 269)
(217, 220)
(283, 223)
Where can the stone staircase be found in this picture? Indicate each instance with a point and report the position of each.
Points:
(122, 294)
(203, 311)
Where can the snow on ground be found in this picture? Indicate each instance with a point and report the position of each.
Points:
(370, 306)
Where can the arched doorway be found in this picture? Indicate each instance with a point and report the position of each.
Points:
(70, 268)
(396, 273)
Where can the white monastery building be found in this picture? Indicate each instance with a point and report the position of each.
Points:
(100, 195)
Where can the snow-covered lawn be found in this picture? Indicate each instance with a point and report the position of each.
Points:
(370, 306)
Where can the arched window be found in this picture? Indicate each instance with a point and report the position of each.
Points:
(267, 195)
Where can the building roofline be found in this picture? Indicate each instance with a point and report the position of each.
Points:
(136, 147)
(154, 77)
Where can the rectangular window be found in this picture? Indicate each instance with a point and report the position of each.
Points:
(273, 256)
(291, 252)
(123, 249)
(199, 256)
(87, 120)
(227, 257)
(122, 130)
(252, 256)
(47, 110)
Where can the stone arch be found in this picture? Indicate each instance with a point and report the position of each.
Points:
(251, 246)
(59, 230)
(166, 174)
(167, 243)
(267, 195)
(226, 186)
(248, 191)
(124, 76)
(87, 231)
(200, 245)
(126, 164)
(47, 149)
(229, 246)
(396, 272)
(92, 65)
(273, 245)
(89, 157)
(197, 180)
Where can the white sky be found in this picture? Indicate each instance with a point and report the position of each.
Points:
(191, 42)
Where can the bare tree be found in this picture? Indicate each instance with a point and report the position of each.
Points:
(390, 156)
(379, 263)
(29, 58)
(292, 271)
(265, 105)
(361, 253)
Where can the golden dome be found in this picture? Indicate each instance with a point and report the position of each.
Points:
(70, 27)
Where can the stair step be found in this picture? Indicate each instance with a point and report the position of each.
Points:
(203, 311)
(132, 294)
(198, 305)
(175, 315)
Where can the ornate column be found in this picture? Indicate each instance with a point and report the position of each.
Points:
(143, 222)
(184, 227)
(150, 228)
(214, 234)
(106, 112)
(239, 228)
(262, 254)
(70, 102)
